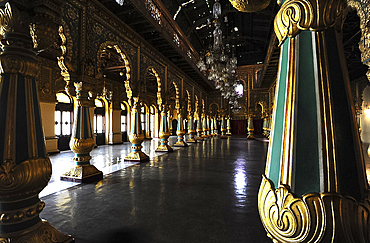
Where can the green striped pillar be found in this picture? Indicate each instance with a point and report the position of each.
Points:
(215, 126)
(204, 125)
(164, 133)
(199, 129)
(250, 128)
(137, 136)
(180, 132)
(228, 126)
(212, 124)
(25, 167)
(223, 127)
(315, 176)
(191, 130)
(82, 142)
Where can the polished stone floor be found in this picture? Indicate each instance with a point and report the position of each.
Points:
(206, 192)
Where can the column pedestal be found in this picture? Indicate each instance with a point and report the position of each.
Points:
(137, 136)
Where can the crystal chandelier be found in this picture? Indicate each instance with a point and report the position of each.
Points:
(217, 64)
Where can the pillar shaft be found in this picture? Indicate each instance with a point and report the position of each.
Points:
(82, 142)
(223, 127)
(228, 127)
(205, 128)
(137, 136)
(164, 133)
(199, 129)
(25, 168)
(315, 174)
(250, 128)
(191, 130)
(212, 127)
(180, 132)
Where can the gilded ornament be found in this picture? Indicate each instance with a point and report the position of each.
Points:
(250, 5)
(42, 232)
(136, 138)
(297, 15)
(18, 64)
(82, 145)
(316, 217)
(5, 19)
(28, 177)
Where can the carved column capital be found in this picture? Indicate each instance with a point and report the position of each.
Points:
(297, 15)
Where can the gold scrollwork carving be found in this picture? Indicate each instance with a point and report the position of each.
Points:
(250, 5)
(297, 15)
(15, 64)
(316, 217)
(5, 18)
(11, 217)
(42, 232)
(136, 138)
(82, 145)
(28, 177)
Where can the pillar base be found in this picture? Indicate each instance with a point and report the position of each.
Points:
(180, 144)
(224, 136)
(228, 134)
(314, 217)
(164, 148)
(199, 138)
(41, 232)
(251, 136)
(137, 156)
(82, 174)
(191, 140)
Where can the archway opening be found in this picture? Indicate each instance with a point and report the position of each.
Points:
(99, 121)
(63, 120)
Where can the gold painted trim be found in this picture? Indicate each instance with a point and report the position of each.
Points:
(316, 217)
(297, 15)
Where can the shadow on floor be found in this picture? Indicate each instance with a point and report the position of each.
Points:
(121, 235)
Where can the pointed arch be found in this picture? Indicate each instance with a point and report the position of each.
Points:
(126, 63)
(177, 98)
(189, 100)
(154, 72)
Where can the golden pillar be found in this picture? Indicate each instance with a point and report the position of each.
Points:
(212, 127)
(204, 125)
(191, 130)
(315, 187)
(250, 128)
(223, 127)
(82, 142)
(180, 131)
(25, 167)
(215, 126)
(164, 133)
(199, 129)
(137, 136)
(228, 126)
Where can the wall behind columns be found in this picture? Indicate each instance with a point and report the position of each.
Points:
(365, 116)
(48, 122)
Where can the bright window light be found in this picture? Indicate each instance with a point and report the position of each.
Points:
(239, 89)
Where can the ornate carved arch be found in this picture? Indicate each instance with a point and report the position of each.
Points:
(210, 107)
(125, 59)
(189, 100)
(177, 98)
(159, 85)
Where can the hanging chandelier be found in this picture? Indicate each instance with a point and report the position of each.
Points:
(217, 64)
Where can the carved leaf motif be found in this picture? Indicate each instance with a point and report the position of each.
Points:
(286, 218)
(294, 16)
(7, 176)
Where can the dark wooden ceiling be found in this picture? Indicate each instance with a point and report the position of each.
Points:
(249, 35)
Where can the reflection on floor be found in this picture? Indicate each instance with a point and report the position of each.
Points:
(206, 192)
